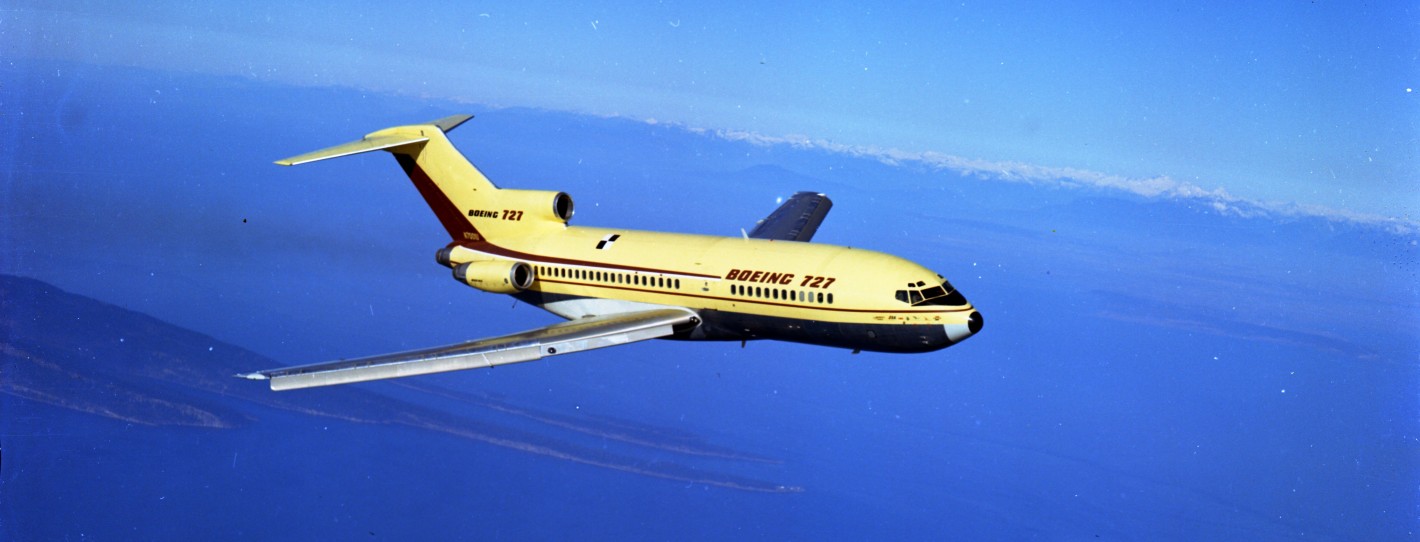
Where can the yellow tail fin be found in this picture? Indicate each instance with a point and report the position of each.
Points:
(465, 201)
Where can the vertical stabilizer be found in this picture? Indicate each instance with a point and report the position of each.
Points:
(455, 190)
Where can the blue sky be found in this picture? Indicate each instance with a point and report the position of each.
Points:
(1148, 370)
(1307, 103)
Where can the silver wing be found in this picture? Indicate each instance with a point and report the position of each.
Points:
(796, 220)
(562, 338)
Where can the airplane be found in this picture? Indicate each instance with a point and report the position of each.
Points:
(618, 286)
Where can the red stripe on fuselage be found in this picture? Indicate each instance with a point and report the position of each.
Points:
(749, 300)
(490, 248)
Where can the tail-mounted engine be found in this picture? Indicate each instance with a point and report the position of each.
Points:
(497, 276)
(540, 204)
(453, 255)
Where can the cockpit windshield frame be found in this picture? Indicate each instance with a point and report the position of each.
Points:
(941, 294)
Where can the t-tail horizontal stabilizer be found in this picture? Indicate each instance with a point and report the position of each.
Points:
(376, 142)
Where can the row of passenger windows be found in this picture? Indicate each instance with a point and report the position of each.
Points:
(608, 277)
(800, 296)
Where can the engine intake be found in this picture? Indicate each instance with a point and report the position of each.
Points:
(499, 277)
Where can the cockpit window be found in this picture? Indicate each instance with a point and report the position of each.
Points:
(942, 294)
(933, 293)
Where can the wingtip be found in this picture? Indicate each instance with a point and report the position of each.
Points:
(251, 376)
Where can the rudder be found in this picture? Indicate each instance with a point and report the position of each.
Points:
(447, 181)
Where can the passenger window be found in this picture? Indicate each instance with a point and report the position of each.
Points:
(830, 299)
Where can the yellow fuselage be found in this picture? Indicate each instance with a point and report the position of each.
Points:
(743, 288)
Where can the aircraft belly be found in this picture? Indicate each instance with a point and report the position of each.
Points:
(717, 325)
(575, 307)
(904, 338)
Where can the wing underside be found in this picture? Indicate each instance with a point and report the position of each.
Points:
(562, 338)
(795, 220)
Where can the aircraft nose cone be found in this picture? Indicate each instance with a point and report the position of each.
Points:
(958, 332)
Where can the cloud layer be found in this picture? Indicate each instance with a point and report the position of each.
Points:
(1160, 187)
